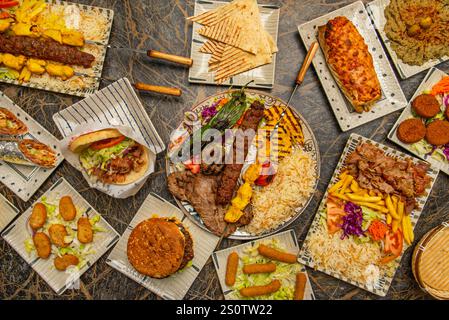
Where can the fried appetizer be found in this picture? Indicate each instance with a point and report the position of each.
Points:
(67, 260)
(67, 209)
(259, 268)
(10, 124)
(57, 234)
(276, 255)
(350, 62)
(256, 291)
(85, 232)
(231, 269)
(438, 133)
(42, 244)
(38, 217)
(426, 106)
(159, 247)
(411, 131)
(300, 286)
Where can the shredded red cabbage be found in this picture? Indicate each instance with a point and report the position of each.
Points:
(352, 222)
(211, 111)
(446, 100)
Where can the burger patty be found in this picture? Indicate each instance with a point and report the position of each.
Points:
(188, 249)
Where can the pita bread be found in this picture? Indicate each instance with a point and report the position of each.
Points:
(236, 61)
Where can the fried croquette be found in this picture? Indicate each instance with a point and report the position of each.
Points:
(411, 131)
(38, 217)
(259, 268)
(42, 244)
(438, 133)
(156, 248)
(255, 291)
(277, 255)
(231, 269)
(426, 106)
(85, 232)
(67, 209)
(57, 234)
(67, 260)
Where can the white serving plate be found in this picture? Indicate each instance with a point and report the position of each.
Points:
(287, 239)
(24, 181)
(383, 285)
(18, 232)
(392, 99)
(433, 77)
(263, 76)
(376, 11)
(174, 287)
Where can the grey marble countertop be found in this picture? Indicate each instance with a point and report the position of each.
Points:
(161, 25)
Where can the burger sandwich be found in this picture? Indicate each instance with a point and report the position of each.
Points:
(110, 157)
(160, 247)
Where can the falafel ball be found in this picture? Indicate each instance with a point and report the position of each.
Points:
(438, 133)
(411, 131)
(426, 106)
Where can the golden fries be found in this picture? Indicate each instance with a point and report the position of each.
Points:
(340, 196)
(364, 198)
(372, 206)
(336, 186)
(389, 219)
(346, 182)
(391, 209)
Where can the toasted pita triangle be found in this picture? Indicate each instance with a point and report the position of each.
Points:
(235, 61)
(242, 28)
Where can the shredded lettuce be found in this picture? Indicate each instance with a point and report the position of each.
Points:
(284, 273)
(8, 74)
(91, 158)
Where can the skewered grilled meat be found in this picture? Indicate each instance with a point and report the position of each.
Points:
(42, 48)
(231, 172)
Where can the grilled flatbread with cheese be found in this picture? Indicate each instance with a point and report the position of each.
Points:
(350, 62)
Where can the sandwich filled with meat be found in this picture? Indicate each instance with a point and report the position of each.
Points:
(110, 157)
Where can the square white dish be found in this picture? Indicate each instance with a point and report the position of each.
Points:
(433, 76)
(7, 212)
(376, 11)
(17, 233)
(383, 284)
(392, 99)
(24, 181)
(263, 76)
(287, 239)
(117, 104)
(174, 287)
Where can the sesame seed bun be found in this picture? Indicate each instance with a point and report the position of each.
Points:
(84, 141)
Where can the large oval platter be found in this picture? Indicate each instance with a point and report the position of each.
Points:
(310, 146)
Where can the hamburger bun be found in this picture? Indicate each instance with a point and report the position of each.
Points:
(159, 247)
(84, 141)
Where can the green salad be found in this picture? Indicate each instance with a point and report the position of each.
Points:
(285, 273)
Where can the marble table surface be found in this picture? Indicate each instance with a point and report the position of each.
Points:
(161, 25)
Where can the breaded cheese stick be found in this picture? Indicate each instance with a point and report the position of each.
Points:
(277, 255)
(255, 291)
(259, 268)
(300, 287)
(231, 269)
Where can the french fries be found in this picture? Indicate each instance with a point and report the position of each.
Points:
(391, 208)
(359, 198)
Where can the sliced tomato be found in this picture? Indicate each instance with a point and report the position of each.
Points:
(8, 3)
(107, 143)
(335, 216)
(394, 243)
